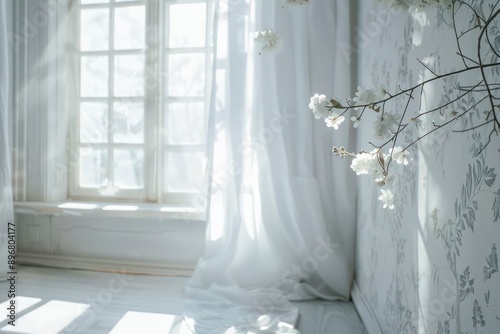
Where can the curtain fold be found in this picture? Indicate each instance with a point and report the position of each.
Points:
(6, 205)
(281, 218)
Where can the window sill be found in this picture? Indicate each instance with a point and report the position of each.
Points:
(110, 209)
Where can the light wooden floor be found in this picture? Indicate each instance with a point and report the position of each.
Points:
(74, 301)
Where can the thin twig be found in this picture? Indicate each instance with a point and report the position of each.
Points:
(427, 67)
(473, 10)
(488, 142)
(399, 131)
(424, 83)
(437, 127)
(482, 68)
(474, 127)
(446, 104)
(468, 30)
(493, 8)
(478, 90)
(468, 58)
(491, 45)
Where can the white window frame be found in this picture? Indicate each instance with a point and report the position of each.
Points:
(154, 99)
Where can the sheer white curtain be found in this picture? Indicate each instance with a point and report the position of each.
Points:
(6, 207)
(281, 222)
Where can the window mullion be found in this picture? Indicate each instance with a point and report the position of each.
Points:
(152, 111)
(111, 92)
(165, 98)
(74, 98)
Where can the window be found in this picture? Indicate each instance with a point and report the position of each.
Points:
(138, 99)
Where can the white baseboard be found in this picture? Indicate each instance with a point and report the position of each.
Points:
(129, 267)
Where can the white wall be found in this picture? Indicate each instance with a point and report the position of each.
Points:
(431, 264)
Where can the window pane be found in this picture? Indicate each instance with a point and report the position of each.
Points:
(94, 29)
(94, 76)
(93, 167)
(187, 25)
(186, 74)
(130, 27)
(93, 122)
(129, 75)
(186, 123)
(128, 122)
(185, 171)
(129, 168)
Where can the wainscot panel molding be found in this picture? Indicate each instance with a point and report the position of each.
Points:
(163, 246)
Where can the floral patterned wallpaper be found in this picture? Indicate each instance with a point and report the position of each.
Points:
(431, 264)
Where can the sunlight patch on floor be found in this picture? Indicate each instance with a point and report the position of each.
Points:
(141, 322)
(22, 303)
(151, 323)
(51, 317)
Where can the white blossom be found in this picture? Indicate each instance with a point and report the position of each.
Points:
(387, 198)
(401, 157)
(386, 125)
(340, 152)
(269, 40)
(356, 121)
(369, 163)
(318, 105)
(334, 120)
(368, 96)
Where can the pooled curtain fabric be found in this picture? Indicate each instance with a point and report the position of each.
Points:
(281, 217)
(6, 206)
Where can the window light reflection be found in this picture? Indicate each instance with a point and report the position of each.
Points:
(178, 209)
(120, 208)
(81, 206)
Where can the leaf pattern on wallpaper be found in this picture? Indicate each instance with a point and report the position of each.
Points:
(477, 144)
(477, 175)
(492, 263)
(472, 117)
(478, 6)
(399, 316)
(443, 328)
(466, 285)
(496, 207)
(444, 18)
(494, 31)
(405, 74)
(477, 315)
